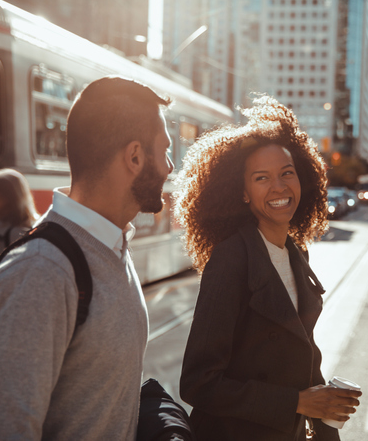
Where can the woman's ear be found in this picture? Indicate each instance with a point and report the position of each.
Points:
(246, 197)
(134, 157)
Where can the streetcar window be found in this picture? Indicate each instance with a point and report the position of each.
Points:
(52, 96)
(50, 131)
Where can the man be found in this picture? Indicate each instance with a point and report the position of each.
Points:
(59, 386)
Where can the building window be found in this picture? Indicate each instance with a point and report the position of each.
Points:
(290, 93)
(279, 93)
(303, 28)
(324, 54)
(291, 41)
(301, 67)
(312, 67)
(301, 93)
(282, 28)
(281, 41)
(292, 28)
(291, 54)
(323, 80)
(280, 80)
(270, 27)
(301, 80)
(313, 55)
(292, 14)
(270, 40)
(280, 67)
(290, 80)
(311, 93)
(281, 54)
(324, 41)
(322, 93)
(323, 67)
(324, 28)
(291, 67)
(312, 80)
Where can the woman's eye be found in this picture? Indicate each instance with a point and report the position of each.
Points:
(289, 172)
(261, 178)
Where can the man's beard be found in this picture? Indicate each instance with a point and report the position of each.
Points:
(147, 189)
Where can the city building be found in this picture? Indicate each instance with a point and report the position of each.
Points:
(298, 51)
(354, 59)
(119, 24)
(342, 140)
(363, 126)
(223, 62)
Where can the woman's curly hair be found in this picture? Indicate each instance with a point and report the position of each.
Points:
(209, 189)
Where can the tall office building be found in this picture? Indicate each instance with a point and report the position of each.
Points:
(223, 62)
(122, 24)
(363, 132)
(354, 59)
(298, 47)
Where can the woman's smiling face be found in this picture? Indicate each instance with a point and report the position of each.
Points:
(272, 186)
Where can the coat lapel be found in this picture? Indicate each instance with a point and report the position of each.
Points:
(269, 295)
(309, 288)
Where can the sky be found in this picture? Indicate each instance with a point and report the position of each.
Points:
(155, 24)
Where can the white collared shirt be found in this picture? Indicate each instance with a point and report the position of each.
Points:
(96, 225)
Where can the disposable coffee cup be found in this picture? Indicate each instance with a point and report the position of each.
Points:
(341, 383)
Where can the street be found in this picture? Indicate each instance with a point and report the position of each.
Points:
(340, 261)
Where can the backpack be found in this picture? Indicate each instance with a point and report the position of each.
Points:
(62, 239)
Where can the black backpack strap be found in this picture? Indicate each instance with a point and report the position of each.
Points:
(62, 239)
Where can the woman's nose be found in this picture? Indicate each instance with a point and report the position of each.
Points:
(278, 184)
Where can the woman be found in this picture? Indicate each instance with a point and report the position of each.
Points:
(250, 199)
(17, 210)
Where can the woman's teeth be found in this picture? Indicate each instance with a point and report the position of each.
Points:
(279, 202)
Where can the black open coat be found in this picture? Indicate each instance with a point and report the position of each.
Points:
(249, 352)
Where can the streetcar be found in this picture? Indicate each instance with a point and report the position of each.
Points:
(42, 68)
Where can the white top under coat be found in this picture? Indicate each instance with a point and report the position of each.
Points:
(281, 261)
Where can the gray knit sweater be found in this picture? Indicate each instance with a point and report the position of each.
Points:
(53, 386)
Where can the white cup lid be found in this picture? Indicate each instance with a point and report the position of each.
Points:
(343, 383)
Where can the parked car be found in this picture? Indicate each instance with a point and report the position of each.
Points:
(335, 207)
(353, 200)
(340, 194)
(363, 192)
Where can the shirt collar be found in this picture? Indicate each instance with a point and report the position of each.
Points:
(98, 226)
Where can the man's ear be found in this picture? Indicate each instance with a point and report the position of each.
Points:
(134, 157)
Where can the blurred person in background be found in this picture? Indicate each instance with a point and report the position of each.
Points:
(17, 209)
(250, 199)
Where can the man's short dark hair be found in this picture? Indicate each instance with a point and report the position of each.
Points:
(106, 116)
